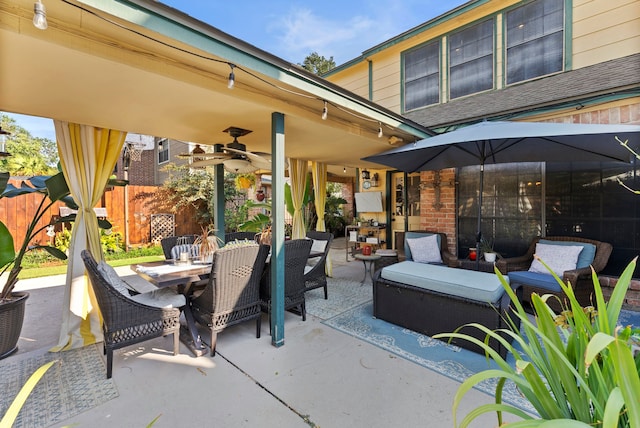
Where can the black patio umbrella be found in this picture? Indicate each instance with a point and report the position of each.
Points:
(506, 142)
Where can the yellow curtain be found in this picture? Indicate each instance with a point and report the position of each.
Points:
(319, 175)
(298, 173)
(88, 156)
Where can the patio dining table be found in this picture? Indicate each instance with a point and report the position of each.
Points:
(183, 276)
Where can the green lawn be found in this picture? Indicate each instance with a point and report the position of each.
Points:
(62, 268)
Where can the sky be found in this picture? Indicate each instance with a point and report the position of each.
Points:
(292, 29)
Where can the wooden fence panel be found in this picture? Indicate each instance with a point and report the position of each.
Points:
(16, 213)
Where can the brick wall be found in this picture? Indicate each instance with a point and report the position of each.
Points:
(440, 218)
(632, 298)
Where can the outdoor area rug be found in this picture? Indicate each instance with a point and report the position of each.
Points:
(451, 361)
(343, 295)
(75, 384)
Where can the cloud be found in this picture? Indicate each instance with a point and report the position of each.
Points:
(302, 32)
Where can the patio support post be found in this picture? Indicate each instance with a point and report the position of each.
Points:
(277, 229)
(218, 197)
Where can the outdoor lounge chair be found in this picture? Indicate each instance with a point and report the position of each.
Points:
(127, 321)
(594, 253)
(232, 294)
(315, 275)
(296, 253)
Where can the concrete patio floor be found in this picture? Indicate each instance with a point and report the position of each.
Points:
(320, 377)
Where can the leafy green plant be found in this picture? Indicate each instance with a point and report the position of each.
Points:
(576, 368)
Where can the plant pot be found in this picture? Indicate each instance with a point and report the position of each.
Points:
(490, 257)
(472, 254)
(11, 319)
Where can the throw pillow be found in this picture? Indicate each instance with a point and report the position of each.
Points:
(425, 250)
(111, 276)
(586, 256)
(558, 257)
(318, 246)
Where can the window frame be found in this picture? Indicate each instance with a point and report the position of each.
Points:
(161, 153)
(438, 74)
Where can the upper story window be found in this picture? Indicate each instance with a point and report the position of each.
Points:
(471, 60)
(422, 76)
(163, 150)
(535, 40)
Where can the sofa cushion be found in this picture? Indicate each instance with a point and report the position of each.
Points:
(425, 249)
(540, 280)
(414, 235)
(161, 298)
(586, 256)
(558, 257)
(473, 285)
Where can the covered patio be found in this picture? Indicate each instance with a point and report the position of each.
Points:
(142, 67)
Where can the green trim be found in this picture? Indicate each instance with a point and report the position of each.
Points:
(443, 90)
(277, 229)
(402, 109)
(568, 35)
(218, 197)
(504, 51)
(370, 80)
(452, 14)
(495, 51)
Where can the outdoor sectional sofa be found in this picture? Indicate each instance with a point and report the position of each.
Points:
(435, 298)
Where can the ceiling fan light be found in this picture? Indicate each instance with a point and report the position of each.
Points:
(239, 166)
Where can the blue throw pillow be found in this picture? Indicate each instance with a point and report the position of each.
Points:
(414, 235)
(586, 256)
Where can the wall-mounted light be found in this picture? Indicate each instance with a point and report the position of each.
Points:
(39, 16)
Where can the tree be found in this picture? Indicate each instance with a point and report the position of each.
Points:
(318, 64)
(29, 155)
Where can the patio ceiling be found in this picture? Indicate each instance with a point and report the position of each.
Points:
(143, 67)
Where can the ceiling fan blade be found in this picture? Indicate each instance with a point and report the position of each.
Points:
(244, 168)
(208, 162)
(218, 155)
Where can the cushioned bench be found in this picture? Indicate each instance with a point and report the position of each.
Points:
(431, 299)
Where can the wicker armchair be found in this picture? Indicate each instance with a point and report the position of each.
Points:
(315, 276)
(168, 243)
(579, 278)
(232, 294)
(125, 321)
(240, 236)
(296, 253)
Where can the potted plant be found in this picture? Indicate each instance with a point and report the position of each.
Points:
(576, 368)
(53, 189)
(486, 247)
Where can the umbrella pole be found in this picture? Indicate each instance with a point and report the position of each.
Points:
(479, 233)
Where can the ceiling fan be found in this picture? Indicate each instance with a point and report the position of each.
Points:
(234, 156)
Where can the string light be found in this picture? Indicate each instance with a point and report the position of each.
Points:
(325, 111)
(232, 77)
(379, 129)
(39, 16)
(344, 170)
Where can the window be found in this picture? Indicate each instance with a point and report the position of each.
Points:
(163, 151)
(471, 60)
(535, 40)
(422, 76)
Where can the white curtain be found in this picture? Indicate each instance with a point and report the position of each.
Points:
(88, 156)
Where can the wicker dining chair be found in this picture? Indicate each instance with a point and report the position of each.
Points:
(168, 243)
(315, 275)
(232, 294)
(296, 253)
(240, 236)
(125, 321)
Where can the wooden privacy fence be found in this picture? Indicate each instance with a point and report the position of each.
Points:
(143, 202)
